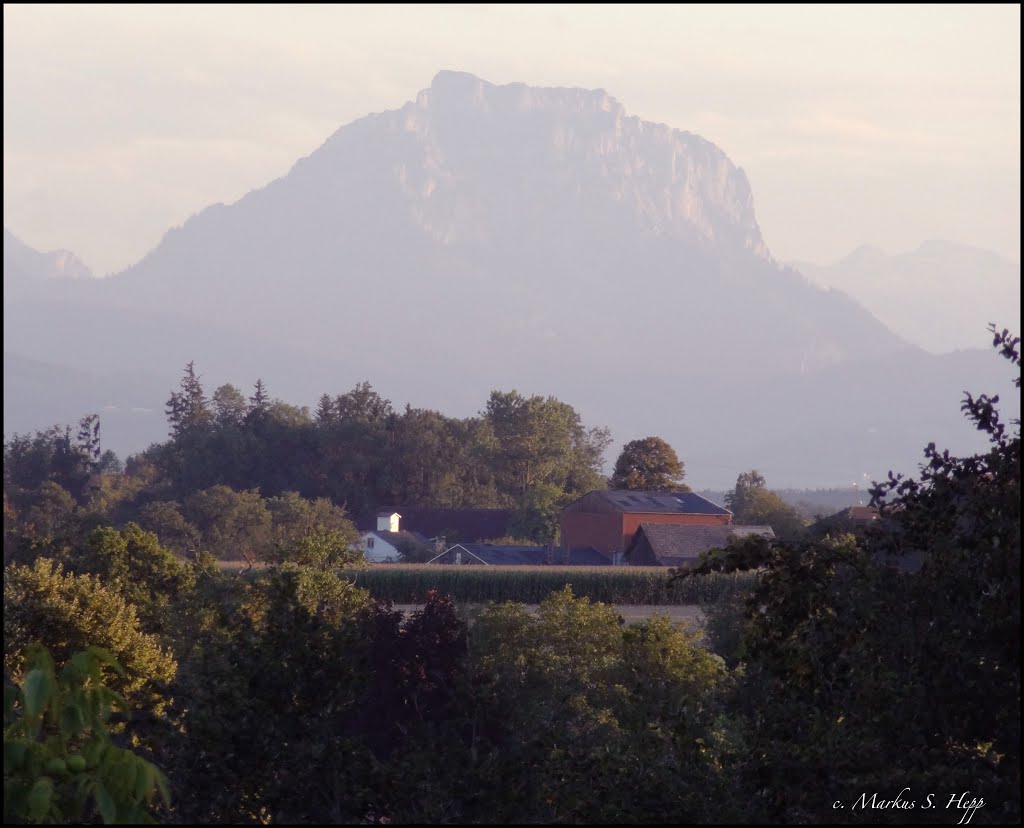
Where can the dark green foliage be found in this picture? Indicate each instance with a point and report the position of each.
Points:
(532, 584)
(259, 405)
(51, 456)
(411, 552)
(234, 525)
(109, 463)
(294, 517)
(723, 625)
(276, 728)
(542, 441)
(187, 409)
(753, 504)
(132, 562)
(52, 514)
(165, 520)
(894, 655)
(746, 483)
(536, 519)
(359, 452)
(288, 695)
(60, 762)
(356, 451)
(582, 720)
(321, 549)
(229, 407)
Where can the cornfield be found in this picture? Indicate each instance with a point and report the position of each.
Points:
(409, 583)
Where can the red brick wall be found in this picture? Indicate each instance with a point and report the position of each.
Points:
(581, 529)
(613, 532)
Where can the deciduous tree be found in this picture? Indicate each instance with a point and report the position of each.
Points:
(649, 464)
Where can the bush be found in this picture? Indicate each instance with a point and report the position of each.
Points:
(60, 764)
(67, 614)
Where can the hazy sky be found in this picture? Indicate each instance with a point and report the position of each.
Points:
(862, 124)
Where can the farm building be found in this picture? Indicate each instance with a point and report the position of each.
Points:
(457, 525)
(607, 520)
(383, 544)
(661, 544)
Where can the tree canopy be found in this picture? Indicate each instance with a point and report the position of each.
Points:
(754, 504)
(651, 464)
(894, 653)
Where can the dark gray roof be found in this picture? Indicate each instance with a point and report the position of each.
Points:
(682, 503)
(394, 538)
(587, 556)
(467, 524)
(674, 544)
(506, 555)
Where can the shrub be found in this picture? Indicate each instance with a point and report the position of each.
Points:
(60, 764)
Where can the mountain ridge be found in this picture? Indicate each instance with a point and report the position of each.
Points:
(942, 294)
(485, 236)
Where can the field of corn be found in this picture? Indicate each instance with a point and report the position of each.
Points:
(409, 583)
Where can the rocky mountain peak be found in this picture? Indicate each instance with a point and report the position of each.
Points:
(461, 89)
(22, 260)
(486, 156)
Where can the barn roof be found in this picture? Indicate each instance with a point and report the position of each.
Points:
(675, 545)
(394, 538)
(681, 503)
(492, 555)
(587, 556)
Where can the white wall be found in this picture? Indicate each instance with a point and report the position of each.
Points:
(380, 551)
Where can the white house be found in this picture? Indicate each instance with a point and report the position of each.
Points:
(382, 545)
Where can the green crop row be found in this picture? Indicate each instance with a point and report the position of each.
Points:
(408, 584)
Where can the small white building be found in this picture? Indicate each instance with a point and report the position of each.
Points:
(382, 544)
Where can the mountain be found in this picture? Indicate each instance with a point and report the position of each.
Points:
(22, 263)
(494, 214)
(940, 296)
(487, 236)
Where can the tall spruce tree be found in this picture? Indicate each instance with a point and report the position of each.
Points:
(187, 409)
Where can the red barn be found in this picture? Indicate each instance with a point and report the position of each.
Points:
(607, 520)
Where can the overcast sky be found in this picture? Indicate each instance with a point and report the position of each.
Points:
(856, 125)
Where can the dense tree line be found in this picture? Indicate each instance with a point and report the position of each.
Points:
(238, 472)
(290, 696)
(355, 451)
(856, 664)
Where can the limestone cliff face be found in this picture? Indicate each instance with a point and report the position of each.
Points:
(544, 216)
(21, 260)
(480, 157)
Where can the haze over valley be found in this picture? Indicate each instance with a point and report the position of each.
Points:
(488, 236)
(511, 415)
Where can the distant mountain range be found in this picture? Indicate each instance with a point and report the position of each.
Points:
(490, 236)
(940, 296)
(23, 265)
